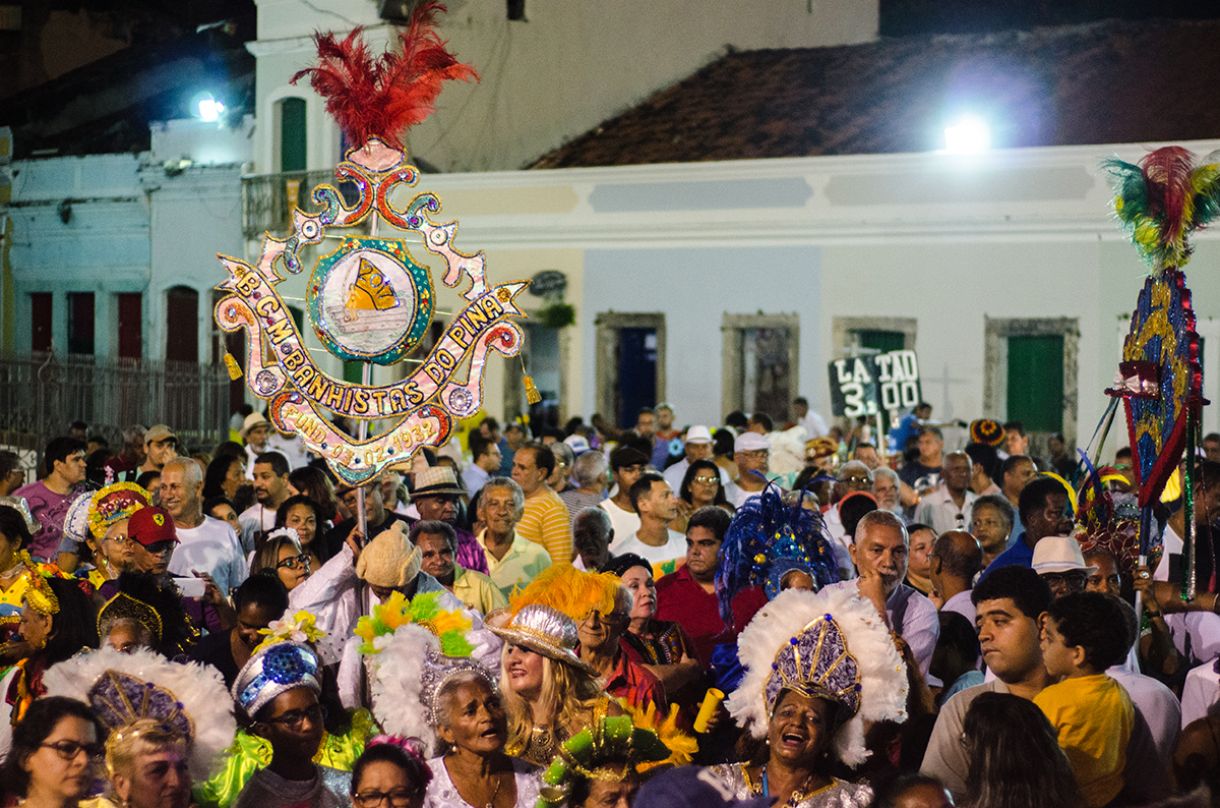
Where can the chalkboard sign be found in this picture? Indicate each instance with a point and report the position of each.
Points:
(866, 385)
(548, 282)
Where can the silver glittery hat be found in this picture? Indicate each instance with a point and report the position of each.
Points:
(548, 631)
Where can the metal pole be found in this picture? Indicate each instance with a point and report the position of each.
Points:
(362, 426)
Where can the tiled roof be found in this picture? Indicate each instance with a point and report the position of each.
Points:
(1109, 82)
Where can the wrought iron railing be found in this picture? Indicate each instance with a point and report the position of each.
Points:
(267, 200)
(41, 394)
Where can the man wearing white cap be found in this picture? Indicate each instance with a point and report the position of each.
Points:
(698, 446)
(751, 451)
(254, 431)
(1059, 561)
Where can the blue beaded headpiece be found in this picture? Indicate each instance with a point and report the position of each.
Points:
(767, 539)
(816, 664)
(274, 670)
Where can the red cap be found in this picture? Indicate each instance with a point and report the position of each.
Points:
(151, 525)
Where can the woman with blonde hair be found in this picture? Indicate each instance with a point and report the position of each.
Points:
(549, 692)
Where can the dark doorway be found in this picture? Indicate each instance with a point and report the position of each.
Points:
(80, 323)
(182, 325)
(636, 363)
(131, 325)
(41, 315)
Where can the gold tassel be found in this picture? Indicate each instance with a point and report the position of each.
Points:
(232, 366)
(532, 396)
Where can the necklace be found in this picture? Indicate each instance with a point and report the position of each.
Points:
(495, 792)
(798, 795)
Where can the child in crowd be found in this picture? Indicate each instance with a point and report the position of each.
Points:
(1083, 634)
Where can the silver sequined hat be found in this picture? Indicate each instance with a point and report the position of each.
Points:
(547, 631)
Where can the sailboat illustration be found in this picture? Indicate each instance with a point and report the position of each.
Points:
(371, 303)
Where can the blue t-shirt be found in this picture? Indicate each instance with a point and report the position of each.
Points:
(1019, 555)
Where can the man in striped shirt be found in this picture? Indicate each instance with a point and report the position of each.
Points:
(546, 520)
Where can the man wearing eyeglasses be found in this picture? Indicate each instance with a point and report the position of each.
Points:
(752, 453)
(1044, 512)
(852, 476)
(948, 507)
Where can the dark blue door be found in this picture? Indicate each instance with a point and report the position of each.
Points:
(637, 373)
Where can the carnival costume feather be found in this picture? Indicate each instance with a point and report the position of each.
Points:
(573, 592)
(381, 97)
(769, 536)
(129, 691)
(831, 645)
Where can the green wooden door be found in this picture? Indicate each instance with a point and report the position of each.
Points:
(1035, 382)
(883, 341)
(292, 134)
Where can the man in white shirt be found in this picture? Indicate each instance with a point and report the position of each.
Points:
(204, 544)
(948, 507)
(956, 558)
(486, 459)
(656, 506)
(879, 551)
(698, 446)
(751, 453)
(814, 424)
(626, 465)
(270, 490)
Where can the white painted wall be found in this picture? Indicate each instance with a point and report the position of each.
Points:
(1023, 233)
(134, 227)
(570, 66)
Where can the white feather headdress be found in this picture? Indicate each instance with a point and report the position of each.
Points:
(181, 694)
(822, 625)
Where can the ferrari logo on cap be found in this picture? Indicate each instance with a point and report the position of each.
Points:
(159, 519)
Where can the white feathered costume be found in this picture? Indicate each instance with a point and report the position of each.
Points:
(184, 690)
(798, 640)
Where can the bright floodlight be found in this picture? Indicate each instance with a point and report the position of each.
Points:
(209, 109)
(967, 135)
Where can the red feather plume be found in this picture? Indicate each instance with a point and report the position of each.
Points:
(1167, 172)
(382, 97)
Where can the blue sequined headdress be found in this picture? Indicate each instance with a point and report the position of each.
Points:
(816, 663)
(273, 670)
(768, 539)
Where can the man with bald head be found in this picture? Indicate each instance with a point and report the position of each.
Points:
(949, 506)
(956, 559)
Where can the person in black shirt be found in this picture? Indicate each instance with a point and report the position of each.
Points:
(259, 600)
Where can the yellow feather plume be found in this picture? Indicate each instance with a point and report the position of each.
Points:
(569, 590)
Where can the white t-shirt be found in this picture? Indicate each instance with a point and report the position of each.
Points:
(675, 547)
(254, 520)
(212, 547)
(625, 523)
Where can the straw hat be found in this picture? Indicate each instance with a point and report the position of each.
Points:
(389, 560)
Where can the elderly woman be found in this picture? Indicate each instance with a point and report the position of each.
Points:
(161, 720)
(662, 647)
(818, 666)
(392, 771)
(475, 772)
(56, 621)
(51, 762)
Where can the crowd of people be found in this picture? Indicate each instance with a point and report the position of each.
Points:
(767, 612)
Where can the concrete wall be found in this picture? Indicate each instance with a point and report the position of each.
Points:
(570, 66)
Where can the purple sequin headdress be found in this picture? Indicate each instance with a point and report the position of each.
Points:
(816, 663)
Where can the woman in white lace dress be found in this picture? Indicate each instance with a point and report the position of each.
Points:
(475, 772)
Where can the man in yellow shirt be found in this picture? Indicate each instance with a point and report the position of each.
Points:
(435, 540)
(546, 520)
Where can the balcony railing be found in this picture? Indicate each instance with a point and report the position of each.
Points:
(40, 394)
(267, 200)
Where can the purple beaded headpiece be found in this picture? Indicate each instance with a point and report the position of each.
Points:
(119, 699)
(816, 663)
